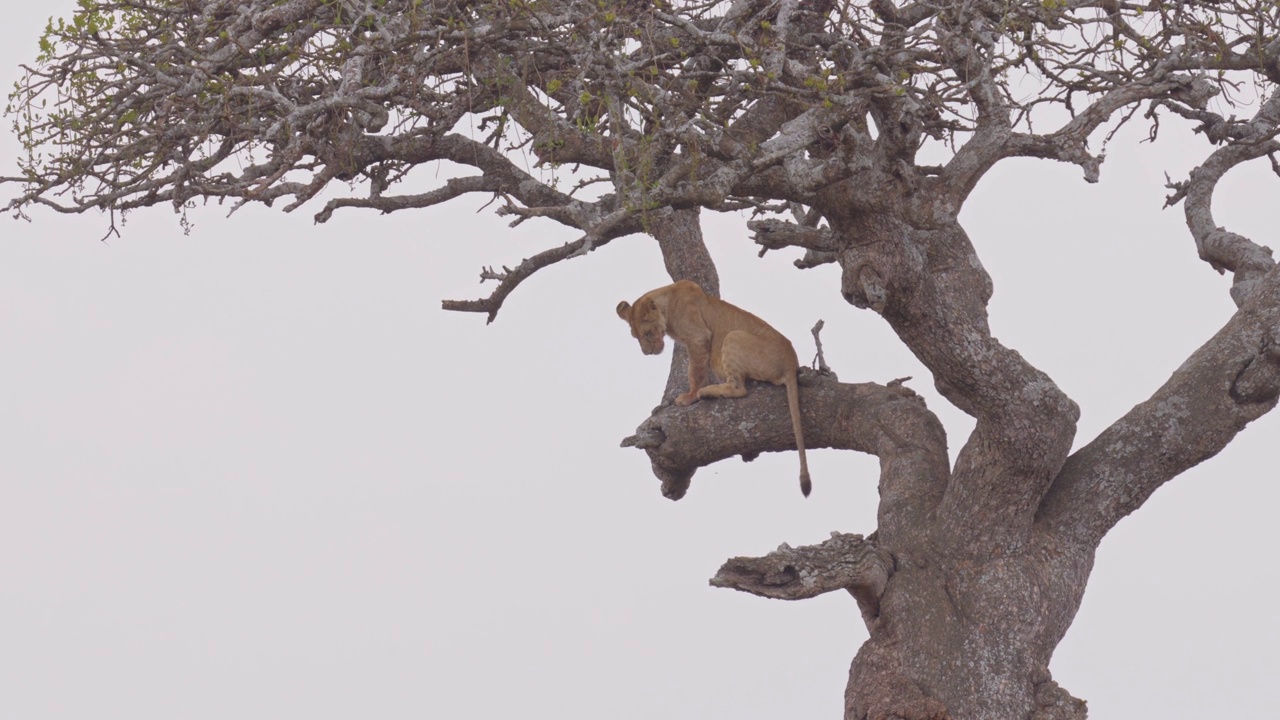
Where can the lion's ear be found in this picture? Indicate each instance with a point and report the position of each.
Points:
(624, 310)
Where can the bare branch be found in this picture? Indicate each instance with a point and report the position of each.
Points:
(1222, 249)
(819, 360)
(845, 562)
(615, 226)
(391, 203)
(778, 234)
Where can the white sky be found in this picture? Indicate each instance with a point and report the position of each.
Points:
(257, 472)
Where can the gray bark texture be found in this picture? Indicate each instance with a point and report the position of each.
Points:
(974, 573)
(811, 114)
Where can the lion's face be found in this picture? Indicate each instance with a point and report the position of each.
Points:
(647, 324)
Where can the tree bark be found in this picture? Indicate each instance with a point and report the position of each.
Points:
(975, 571)
(965, 600)
(685, 255)
(978, 600)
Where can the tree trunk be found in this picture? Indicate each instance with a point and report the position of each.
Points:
(964, 638)
(975, 571)
(685, 255)
(978, 600)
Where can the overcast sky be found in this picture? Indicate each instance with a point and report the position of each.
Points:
(256, 471)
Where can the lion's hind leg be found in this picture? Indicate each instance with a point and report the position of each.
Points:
(734, 364)
(731, 388)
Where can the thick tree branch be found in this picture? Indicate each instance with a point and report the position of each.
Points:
(1233, 379)
(889, 422)
(933, 291)
(1230, 381)
(845, 562)
(778, 234)
(685, 256)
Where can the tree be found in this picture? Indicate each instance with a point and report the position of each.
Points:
(865, 126)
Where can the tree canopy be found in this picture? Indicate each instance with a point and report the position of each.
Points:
(766, 105)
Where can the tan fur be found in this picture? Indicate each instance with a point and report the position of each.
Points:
(721, 337)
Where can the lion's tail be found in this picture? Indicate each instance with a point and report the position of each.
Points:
(793, 401)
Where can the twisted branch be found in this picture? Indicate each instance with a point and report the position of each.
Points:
(845, 562)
